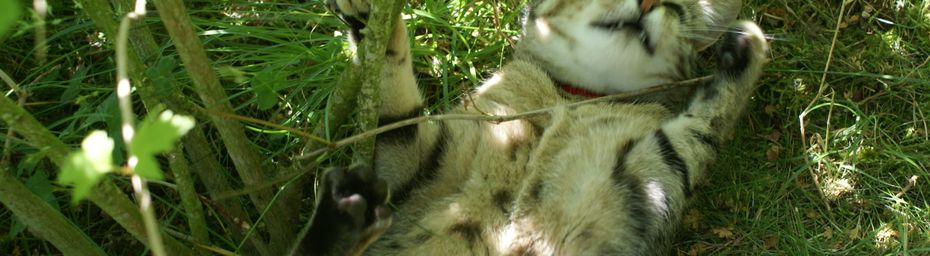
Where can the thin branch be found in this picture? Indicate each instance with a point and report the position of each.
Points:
(21, 101)
(107, 195)
(823, 78)
(41, 33)
(189, 198)
(42, 219)
(124, 96)
(820, 91)
(381, 22)
(282, 218)
(145, 48)
(300, 133)
(499, 119)
(477, 117)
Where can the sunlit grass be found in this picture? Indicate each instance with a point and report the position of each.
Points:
(854, 184)
(843, 189)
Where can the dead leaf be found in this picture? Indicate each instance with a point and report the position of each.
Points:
(770, 109)
(723, 232)
(773, 153)
(774, 136)
(854, 233)
(771, 242)
(867, 11)
(812, 214)
(692, 219)
(697, 249)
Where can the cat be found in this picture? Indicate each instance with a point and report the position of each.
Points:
(609, 178)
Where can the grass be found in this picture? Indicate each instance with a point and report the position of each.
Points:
(841, 187)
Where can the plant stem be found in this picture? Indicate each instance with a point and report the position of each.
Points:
(384, 13)
(7, 145)
(476, 117)
(124, 96)
(43, 220)
(40, 35)
(357, 86)
(145, 48)
(189, 198)
(281, 219)
(106, 196)
(498, 119)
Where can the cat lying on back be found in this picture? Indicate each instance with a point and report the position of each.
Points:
(600, 179)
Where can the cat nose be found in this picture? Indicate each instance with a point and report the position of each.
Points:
(646, 5)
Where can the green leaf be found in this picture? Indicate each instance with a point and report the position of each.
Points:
(74, 84)
(266, 97)
(9, 14)
(16, 226)
(157, 134)
(162, 75)
(40, 185)
(232, 73)
(265, 84)
(84, 168)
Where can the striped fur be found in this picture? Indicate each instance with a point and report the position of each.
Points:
(599, 179)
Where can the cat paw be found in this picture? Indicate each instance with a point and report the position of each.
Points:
(352, 212)
(742, 50)
(353, 12)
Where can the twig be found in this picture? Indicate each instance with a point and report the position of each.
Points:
(43, 220)
(381, 24)
(826, 71)
(107, 195)
(300, 133)
(907, 187)
(282, 218)
(489, 118)
(497, 119)
(820, 91)
(21, 101)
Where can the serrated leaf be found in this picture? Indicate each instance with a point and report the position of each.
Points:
(162, 76)
(265, 97)
(265, 85)
(84, 168)
(9, 13)
(157, 135)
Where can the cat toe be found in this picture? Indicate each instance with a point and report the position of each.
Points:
(742, 49)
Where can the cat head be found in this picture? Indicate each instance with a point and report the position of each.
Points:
(610, 46)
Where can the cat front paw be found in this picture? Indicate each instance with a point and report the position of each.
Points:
(352, 212)
(354, 13)
(742, 51)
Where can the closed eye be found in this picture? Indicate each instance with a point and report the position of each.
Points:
(634, 26)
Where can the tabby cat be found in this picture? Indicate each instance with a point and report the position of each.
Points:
(608, 178)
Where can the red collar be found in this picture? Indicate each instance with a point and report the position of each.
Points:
(578, 91)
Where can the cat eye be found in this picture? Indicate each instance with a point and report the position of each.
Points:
(676, 8)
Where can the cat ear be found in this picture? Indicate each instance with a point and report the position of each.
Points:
(714, 17)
